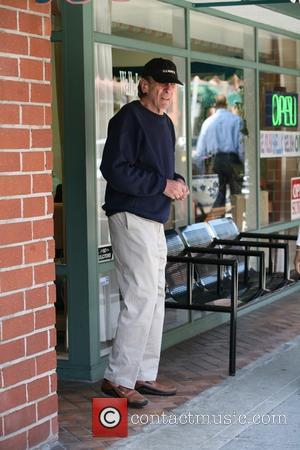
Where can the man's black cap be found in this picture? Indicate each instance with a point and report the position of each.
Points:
(161, 70)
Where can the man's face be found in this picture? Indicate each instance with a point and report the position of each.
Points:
(159, 95)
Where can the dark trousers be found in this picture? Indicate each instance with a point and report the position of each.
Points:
(230, 172)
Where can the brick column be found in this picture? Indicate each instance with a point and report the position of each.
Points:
(28, 400)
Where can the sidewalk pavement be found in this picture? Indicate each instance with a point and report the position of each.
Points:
(256, 409)
(267, 382)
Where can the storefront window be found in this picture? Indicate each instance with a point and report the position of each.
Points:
(278, 50)
(207, 82)
(279, 144)
(152, 21)
(221, 37)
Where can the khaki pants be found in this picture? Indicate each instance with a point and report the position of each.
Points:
(139, 249)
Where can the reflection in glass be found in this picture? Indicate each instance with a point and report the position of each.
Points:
(278, 50)
(151, 21)
(207, 82)
(279, 146)
(221, 37)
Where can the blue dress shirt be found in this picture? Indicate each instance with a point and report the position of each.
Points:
(220, 132)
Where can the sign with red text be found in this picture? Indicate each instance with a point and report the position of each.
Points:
(295, 198)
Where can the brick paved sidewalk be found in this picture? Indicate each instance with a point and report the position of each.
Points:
(193, 366)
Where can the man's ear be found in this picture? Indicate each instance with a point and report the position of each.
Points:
(144, 86)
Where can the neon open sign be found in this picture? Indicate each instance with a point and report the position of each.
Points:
(281, 109)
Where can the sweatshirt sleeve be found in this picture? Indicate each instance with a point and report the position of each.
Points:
(120, 166)
(171, 126)
(178, 176)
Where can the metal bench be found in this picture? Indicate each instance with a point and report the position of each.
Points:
(184, 289)
(199, 236)
(271, 237)
(228, 236)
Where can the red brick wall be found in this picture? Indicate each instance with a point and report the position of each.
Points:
(28, 401)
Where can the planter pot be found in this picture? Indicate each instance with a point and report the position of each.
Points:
(205, 189)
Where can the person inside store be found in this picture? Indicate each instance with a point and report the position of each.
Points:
(297, 254)
(138, 165)
(221, 141)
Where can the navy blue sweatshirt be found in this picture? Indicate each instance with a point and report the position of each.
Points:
(138, 158)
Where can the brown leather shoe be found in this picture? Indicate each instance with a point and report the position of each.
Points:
(154, 388)
(134, 399)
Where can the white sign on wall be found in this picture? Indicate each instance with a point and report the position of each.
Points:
(279, 143)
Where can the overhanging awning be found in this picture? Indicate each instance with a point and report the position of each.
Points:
(286, 7)
(239, 3)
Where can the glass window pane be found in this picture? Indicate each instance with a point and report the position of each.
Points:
(237, 85)
(222, 37)
(279, 143)
(278, 50)
(151, 21)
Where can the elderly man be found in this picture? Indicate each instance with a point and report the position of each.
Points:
(138, 165)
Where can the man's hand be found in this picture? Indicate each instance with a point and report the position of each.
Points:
(176, 189)
(297, 260)
(186, 189)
